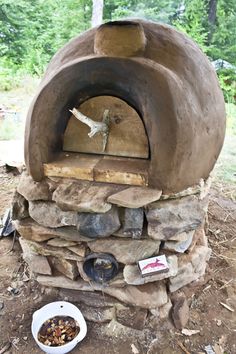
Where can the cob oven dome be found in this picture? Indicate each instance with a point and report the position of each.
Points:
(164, 79)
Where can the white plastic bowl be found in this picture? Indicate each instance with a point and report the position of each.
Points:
(58, 308)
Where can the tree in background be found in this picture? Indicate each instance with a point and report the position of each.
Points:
(97, 13)
(32, 31)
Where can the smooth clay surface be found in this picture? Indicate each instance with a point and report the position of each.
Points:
(167, 79)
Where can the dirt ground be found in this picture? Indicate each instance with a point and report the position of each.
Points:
(20, 296)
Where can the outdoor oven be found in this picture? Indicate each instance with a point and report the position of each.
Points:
(120, 141)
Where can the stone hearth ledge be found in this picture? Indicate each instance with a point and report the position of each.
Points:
(147, 296)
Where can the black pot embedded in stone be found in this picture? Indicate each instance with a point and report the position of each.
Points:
(100, 267)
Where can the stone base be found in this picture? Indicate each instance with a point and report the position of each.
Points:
(58, 233)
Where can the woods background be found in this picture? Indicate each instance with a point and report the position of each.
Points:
(31, 31)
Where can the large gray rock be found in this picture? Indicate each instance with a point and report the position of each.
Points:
(149, 296)
(185, 214)
(19, 208)
(191, 267)
(32, 190)
(49, 214)
(84, 197)
(99, 224)
(133, 276)
(125, 250)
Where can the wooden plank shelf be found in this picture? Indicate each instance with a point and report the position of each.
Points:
(97, 168)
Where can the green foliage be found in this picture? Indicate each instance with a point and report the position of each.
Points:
(193, 21)
(161, 10)
(32, 31)
(227, 79)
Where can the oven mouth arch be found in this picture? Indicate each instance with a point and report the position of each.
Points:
(127, 136)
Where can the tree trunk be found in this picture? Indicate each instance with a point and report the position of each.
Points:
(212, 8)
(97, 12)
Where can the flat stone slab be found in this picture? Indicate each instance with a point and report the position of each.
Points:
(50, 215)
(135, 197)
(132, 274)
(32, 231)
(60, 242)
(60, 252)
(185, 214)
(149, 296)
(99, 224)
(81, 197)
(80, 250)
(125, 250)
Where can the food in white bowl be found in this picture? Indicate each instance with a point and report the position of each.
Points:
(49, 317)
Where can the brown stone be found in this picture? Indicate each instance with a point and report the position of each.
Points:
(133, 317)
(186, 214)
(38, 264)
(132, 274)
(135, 197)
(180, 312)
(84, 198)
(146, 296)
(126, 251)
(66, 267)
(60, 242)
(59, 252)
(79, 249)
(191, 267)
(50, 215)
(19, 209)
(32, 231)
(32, 190)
